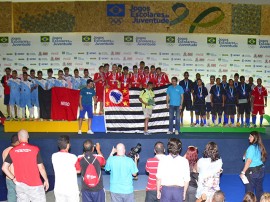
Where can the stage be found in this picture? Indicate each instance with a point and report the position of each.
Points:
(232, 146)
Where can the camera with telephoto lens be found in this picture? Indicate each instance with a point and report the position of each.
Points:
(135, 151)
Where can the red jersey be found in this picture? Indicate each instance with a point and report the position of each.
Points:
(146, 79)
(113, 79)
(97, 76)
(161, 80)
(135, 80)
(153, 75)
(258, 94)
(100, 159)
(25, 158)
(125, 80)
(4, 82)
(140, 72)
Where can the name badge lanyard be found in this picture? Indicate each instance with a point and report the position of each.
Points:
(218, 90)
(224, 85)
(260, 92)
(235, 84)
(200, 91)
(159, 79)
(243, 89)
(186, 84)
(231, 91)
(125, 80)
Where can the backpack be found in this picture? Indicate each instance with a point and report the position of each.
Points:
(91, 178)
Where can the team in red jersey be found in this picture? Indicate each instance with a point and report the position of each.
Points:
(135, 78)
(259, 101)
(100, 80)
(113, 77)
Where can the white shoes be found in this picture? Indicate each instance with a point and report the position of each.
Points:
(176, 132)
(169, 133)
(90, 132)
(79, 132)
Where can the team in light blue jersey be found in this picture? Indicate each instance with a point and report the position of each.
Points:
(26, 86)
(60, 81)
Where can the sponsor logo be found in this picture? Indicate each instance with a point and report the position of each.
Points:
(4, 40)
(251, 41)
(91, 53)
(170, 39)
(127, 53)
(115, 53)
(128, 39)
(64, 103)
(264, 43)
(86, 38)
(102, 41)
(45, 39)
(176, 54)
(226, 43)
(60, 41)
(183, 41)
(143, 41)
(18, 41)
(211, 41)
(116, 13)
(188, 54)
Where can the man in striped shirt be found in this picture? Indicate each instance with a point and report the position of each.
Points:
(151, 167)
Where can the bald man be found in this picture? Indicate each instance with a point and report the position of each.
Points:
(28, 166)
(122, 168)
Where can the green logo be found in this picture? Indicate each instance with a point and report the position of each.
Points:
(251, 41)
(211, 40)
(3, 39)
(128, 39)
(45, 39)
(170, 39)
(86, 38)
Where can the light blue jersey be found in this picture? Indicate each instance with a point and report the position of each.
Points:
(42, 83)
(34, 93)
(60, 83)
(84, 80)
(15, 86)
(26, 93)
(76, 83)
(50, 83)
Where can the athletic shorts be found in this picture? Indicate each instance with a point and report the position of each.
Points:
(88, 109)
(100, 94)
(200, 109)
(147, 112)
(208, 107)
(25, 101)
(187, 104)
(14, 100)
(230, 109)
(34, 100)
(258, 109)
(6, 99)
(244, 108)
(217, 109)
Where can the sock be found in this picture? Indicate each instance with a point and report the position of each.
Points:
(12, 111)
(248, 121)
(225, 119)
(261, 120)
(219, 120)
(31, 112)
(242, 120)
(197, 121)
(18, 111)
(213, 119)
(232, 120)
(23, 112)
(254, 120)
(204, 121)
(237, 119)
(191, 119)
(38, 112)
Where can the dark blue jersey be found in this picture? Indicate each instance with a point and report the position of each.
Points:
(230, 96)
(224, 85)
(243, 91)
(187, 87)
(199, 95)
(217, 92)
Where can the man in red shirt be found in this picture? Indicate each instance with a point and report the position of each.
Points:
(113, 77)
(99, 80)
(28, 166)
(151, 167)
(4, 80)
(161, 78)
(135, 78)
(153, 72)
(259, 101)
(146, 77)
(125, 79)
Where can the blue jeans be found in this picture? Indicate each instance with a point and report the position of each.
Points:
(122, 197)
(11, 196)
(176, 110)
(91, 196)
(255, 179)
(172, 194)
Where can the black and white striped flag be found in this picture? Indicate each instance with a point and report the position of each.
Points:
(131, 119)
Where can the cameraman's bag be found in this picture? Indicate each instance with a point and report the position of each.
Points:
(91, 177)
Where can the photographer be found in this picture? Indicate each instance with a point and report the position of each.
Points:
(91, 193)
(122, 168)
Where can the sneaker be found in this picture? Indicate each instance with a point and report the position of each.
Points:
(260, 126)
(90, 132)
(176, 132)
(146, 133)
(197, 125)
(220, 125)
(169, 133)
(212, 124)
(226, 125)
(233, 125)
(8, 118)
(205, 125)
(79, 132)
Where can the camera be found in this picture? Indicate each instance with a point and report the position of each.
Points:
(135, 151)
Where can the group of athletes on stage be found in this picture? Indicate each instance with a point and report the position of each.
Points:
(224, 99)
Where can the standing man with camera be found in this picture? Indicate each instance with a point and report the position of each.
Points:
(147, 100)
(122, 168)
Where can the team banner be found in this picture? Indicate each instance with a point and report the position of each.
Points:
(131, 119)
(117, 97)
(45, 100)
(65, 103)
